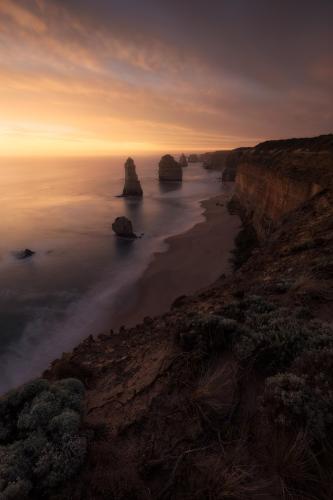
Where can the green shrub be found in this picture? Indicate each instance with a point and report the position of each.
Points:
(273, 340)
(60, 462)
(40, 445)
(19, 489)
(245, 242)
(255, 304)
(291, 403)
(208, 334)
(67, 422)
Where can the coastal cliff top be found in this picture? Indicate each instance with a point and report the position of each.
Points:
(308, 159)
(308, 144)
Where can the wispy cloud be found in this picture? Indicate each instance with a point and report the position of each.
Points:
(155, 75)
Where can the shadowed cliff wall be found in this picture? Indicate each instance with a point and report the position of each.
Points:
(277, 177)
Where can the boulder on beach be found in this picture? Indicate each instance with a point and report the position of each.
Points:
(123, 227)
(132, 185)
(183, 160)
(169, 169)
(24, 254)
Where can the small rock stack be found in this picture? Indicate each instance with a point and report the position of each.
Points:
(183, 160)
(169, 169)
(132, 185)
(123, 227)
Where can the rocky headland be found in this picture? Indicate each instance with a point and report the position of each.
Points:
(169, 169)
(215, 160)
(132, 185)
(229, 394)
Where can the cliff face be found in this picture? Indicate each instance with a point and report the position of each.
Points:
(231, 161)
(275, 178)
(266, 196)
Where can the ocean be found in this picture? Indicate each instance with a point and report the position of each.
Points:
(81, 273)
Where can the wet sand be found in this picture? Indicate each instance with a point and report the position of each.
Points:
(192, 261)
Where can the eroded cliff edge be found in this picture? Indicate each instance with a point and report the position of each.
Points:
(276, 177)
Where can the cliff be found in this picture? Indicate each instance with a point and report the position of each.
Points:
(215, 160)
(231, 390)
(132, 185)
(276, 177)
(232, 160)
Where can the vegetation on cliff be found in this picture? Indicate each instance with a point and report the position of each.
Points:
(40, 442)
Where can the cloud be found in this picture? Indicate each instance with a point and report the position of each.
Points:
(169, 73)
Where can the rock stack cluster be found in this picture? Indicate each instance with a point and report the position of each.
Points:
(183, 160)
(169, 169)
(132, 185)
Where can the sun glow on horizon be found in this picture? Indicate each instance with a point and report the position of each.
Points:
(77, 80)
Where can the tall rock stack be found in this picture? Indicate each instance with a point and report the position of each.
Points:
(132, 185)
(169, 169)
(183, 160)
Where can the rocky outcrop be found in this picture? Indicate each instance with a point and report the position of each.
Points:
(132, 185)
(276, 177)
(24, 254)
(183, 160)
(123, 227)
(169, 169)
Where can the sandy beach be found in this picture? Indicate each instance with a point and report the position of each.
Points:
(192, 261)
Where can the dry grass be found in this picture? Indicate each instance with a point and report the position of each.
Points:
(294, 467)
(216, 395)
(307, 287)
(215, 476)
(112, 475)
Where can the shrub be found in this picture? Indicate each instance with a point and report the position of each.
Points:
(60, 462)
(40, 445)
(290, 403)
(68, 422)
(208, 333)
(274, 339)
(255, 304)
(245, 242)
(17, 490)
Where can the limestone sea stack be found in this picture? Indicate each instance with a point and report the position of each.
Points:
(123, 227)
(132, 185)
(183, 160)
(169, 169)
(193, 158)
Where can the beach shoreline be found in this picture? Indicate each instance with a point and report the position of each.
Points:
(192, 261)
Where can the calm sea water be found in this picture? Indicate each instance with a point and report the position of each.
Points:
(63, 210)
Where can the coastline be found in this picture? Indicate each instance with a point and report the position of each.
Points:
(192, 261)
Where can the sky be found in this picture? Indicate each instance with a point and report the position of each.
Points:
(81, 77)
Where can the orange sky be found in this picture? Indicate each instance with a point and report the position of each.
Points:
(77, 80)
